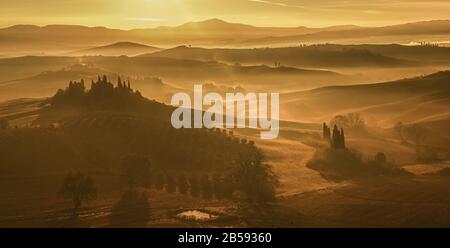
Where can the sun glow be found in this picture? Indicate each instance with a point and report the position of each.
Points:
(152, 13)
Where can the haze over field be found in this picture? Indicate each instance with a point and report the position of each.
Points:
(85, 97)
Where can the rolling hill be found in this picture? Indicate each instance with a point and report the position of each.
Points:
(183, 72)
(47, 82)
(317, 56)
(33, 76)
(407, 100)
(117, 49)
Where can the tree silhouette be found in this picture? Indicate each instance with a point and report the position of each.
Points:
(119, 83)
(194, 186)
(79, 188)
(182, 184)
(342, 142)
(255, 181)
(337, 140)
(132, 210)
(170, 184)
(206, 187)
(159, 181)
(217, 185)
(135, 170)
(380, 158)
(350, 121)
(326, 131)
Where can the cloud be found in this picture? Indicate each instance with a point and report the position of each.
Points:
(146, 19)
(277, 4)
(371, 12)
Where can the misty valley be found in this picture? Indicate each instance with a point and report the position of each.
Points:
(224, 109)
(218, 124)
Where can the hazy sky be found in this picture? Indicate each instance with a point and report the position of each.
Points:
(127, 14)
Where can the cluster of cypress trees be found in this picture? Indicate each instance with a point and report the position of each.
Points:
(101, 90)
(336, 139)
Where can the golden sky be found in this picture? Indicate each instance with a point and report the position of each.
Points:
(128, 14)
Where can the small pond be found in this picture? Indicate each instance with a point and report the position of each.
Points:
(196, 215)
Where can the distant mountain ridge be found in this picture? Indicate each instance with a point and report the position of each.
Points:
(214, 32)
(435, 27)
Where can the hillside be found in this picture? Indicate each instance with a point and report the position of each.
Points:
(48, 72)
(321, 56)
(110, 121)
(48, 81)
(403, 100)
(28, 66)
(184, 72)
(117, 49)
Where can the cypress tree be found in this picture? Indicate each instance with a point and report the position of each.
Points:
(194, 186)
(325, 131)
(119, 82)
(342, 139)
(182, 184)
(206, 188)
(324, 126)
(336, 138)
(170, 184)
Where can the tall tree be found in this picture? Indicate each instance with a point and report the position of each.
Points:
(206, 187)
(255, 181)
(325, 131)
(159, 181)
(335, 139)
(194, 186)
(119, 82)
(182, 184)
(80, 188)
(135, 170)
(217, 184)
(170, 184)
(342, 143)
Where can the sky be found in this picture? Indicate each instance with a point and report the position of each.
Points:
(129, 14)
